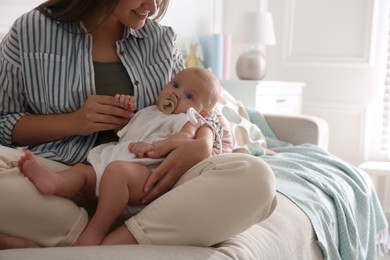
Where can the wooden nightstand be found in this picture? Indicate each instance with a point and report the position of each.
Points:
(269, 97)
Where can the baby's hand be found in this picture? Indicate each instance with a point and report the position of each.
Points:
(126, 101)
(140, 149)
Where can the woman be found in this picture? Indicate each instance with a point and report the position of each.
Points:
(60, 66)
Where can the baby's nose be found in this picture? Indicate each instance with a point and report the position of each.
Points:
(176, 95)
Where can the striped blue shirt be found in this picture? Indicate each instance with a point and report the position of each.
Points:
(46, 67)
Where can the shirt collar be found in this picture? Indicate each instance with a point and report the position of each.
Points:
(139, 33)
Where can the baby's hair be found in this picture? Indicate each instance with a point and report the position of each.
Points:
(208, 76)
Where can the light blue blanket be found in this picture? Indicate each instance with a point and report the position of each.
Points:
(338, 198)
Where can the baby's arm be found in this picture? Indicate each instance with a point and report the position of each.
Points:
(164, 147)
(143, 149)
(188, 131)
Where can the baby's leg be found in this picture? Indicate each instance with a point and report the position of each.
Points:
(65, 183)
(122, 184)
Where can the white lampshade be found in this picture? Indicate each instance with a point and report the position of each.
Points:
(255, 28)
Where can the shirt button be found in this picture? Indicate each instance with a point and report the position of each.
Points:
(121, 52)
(136, 82)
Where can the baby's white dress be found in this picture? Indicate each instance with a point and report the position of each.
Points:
(147, 125)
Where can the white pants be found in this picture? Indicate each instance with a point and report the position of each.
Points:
(217, 198)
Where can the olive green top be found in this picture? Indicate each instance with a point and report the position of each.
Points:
(111, 78)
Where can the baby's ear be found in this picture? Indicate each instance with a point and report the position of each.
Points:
(204, 113)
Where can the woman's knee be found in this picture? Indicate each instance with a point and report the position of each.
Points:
(252, 170)
(255, 180)
(262, 180)
(260, 173)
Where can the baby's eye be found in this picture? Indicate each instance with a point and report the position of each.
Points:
(175, 85)
(188, 96)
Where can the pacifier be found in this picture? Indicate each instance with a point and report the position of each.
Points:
(167, 103)
(193, 116)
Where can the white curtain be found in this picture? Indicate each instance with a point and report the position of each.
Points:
(386, 107)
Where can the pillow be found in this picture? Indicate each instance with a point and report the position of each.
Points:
(247, 137)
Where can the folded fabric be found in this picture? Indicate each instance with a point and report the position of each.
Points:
(338, 198)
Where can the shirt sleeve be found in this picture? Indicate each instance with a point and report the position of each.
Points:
(11, 86)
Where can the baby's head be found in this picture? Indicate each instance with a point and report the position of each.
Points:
(192, 87)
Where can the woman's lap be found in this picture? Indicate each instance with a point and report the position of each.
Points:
(217, 198)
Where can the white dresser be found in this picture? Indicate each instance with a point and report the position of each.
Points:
(380, 175)
(269, 97)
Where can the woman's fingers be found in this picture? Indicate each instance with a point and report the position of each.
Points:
(100, 113)
(183, 154)
(160, 181)
(165, 176)
(107, 105)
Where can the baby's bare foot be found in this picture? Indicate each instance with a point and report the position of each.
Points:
(91, 236)
(44, 179)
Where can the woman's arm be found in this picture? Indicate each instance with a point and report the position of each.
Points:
(36, 102)
(159, 148)
(183, 154)
(99, 113)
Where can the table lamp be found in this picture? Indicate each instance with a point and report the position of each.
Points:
(257, 29)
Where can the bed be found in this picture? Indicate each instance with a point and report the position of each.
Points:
(327, 209)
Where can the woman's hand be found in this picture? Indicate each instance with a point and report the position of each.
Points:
(183, 154)
(101, 113)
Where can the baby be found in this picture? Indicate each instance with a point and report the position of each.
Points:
(118, 171)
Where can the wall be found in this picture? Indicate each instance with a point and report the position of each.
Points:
(193, 18)
(338, 48)
(11, 9)
(339, 52)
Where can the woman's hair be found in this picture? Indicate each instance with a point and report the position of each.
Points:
(79, 10)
